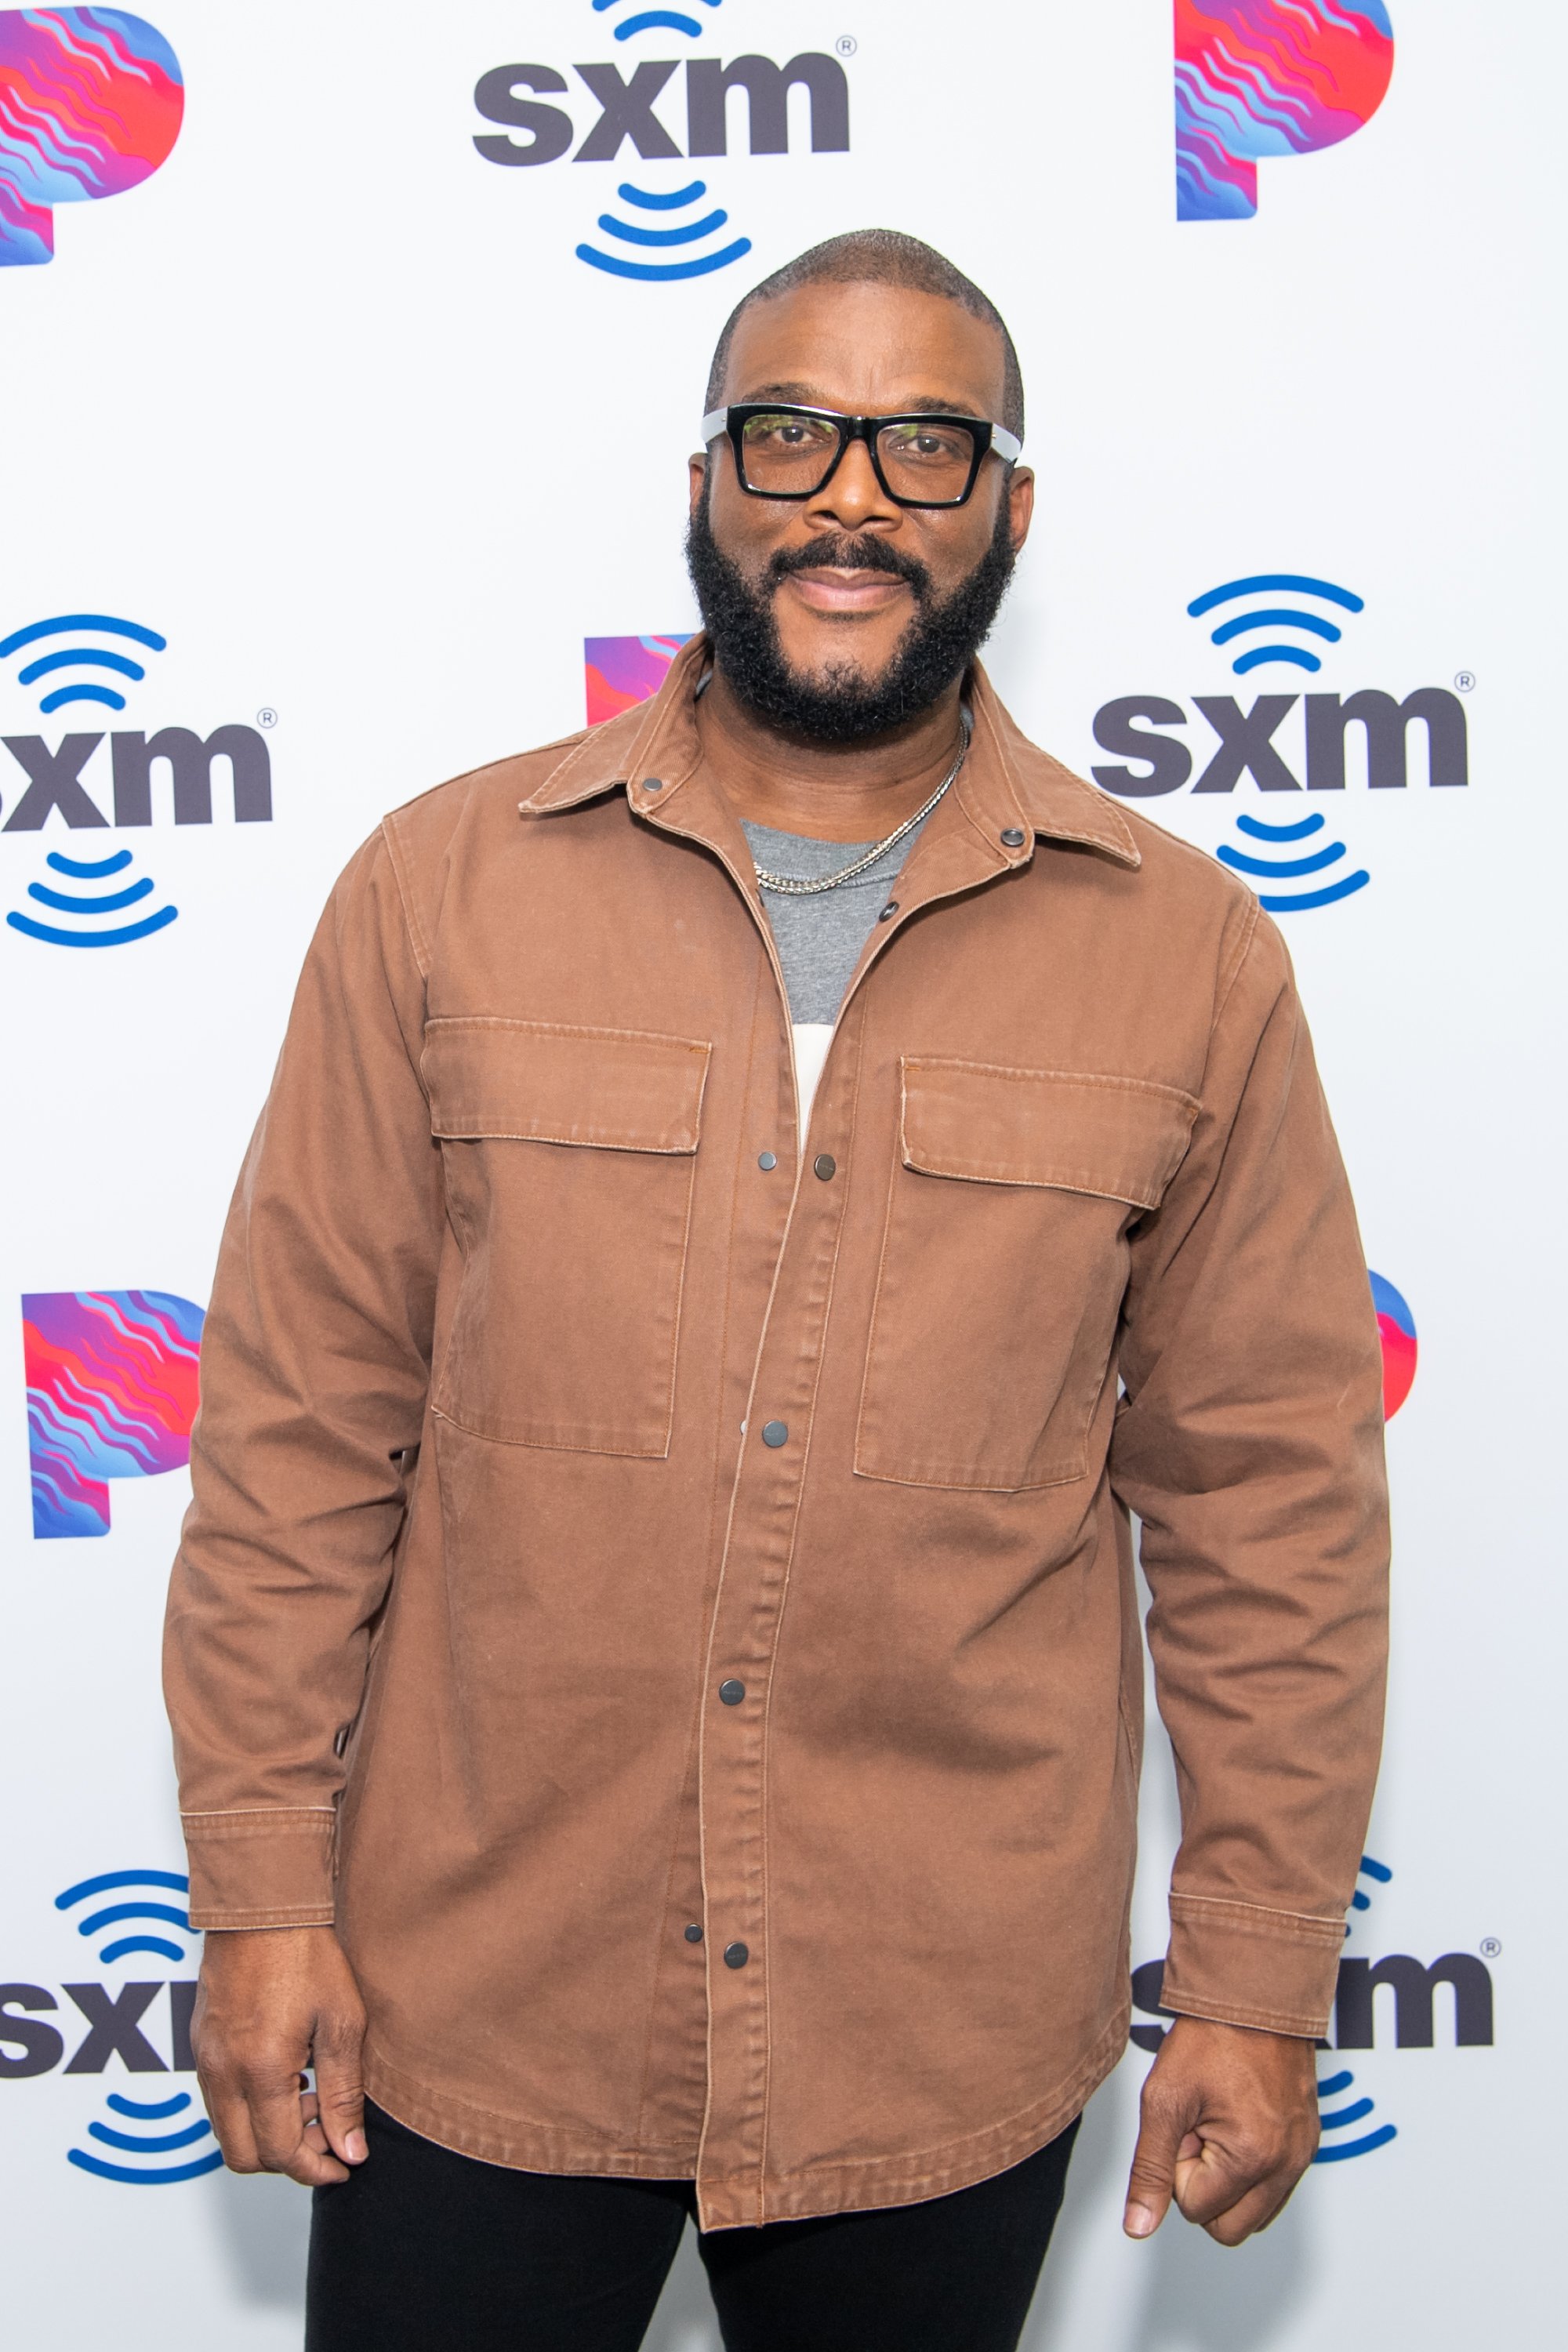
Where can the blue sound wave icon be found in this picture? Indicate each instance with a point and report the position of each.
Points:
(1277, 616)
(1332, 2086)
(1281, 869)
(647, 20)
(638, 235)
(80, 658)
(1339, 2119)
(104, 902)
(140, 1912)
(1379, 1873)
(149, 2144)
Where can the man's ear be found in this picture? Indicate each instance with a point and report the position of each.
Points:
(696, 470)
(1020, 503)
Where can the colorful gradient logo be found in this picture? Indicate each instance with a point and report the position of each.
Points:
(112, 1393)
(621, 671)
(91, 104)
(1258, 78)
(1397, 1327)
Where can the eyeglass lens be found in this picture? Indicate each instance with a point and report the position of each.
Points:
(921, 459)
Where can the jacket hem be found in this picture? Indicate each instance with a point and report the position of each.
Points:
(524, 2145)
(517, 2142)
(914, 2178)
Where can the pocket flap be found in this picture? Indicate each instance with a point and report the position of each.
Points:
(544, 1082)
(1121, 1137)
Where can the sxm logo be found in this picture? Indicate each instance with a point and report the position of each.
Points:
(1413, 1986)
(670, 233)
(91, 104)
(1262, 77)
(127, 1916)
(1287, 857)
(112, 1393)
(60, 663)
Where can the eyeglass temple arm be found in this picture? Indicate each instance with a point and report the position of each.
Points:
(1006, 445)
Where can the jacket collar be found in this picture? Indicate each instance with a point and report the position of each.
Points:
(1007, 783)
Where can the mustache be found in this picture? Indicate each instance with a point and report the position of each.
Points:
(843, 552)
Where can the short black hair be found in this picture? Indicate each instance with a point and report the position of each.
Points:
(881, 257)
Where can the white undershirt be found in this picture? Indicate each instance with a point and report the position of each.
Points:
(812, 1040)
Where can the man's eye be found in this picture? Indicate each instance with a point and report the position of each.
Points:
(929, 444)
(786, 431)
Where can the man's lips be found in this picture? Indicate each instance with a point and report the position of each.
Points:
(828, 588)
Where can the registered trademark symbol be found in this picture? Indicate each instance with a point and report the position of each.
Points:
(846, 45)
(1464, 680)
(1490, 1947)
(267, 716)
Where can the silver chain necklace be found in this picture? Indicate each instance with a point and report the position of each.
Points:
(793, 886)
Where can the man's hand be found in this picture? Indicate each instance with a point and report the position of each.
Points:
(1229, 2124)
(272, 2001)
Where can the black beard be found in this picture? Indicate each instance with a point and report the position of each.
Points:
(840, 706)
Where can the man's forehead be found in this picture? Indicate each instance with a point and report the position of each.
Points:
(866, 346)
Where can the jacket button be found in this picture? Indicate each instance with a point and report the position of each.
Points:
(824, 1165)
(732, 1692)
(888, 911)
(1012, 838)
(767, 1159)
(694, 1934)
(655, 784)
(736, 1956)
(776, 1432)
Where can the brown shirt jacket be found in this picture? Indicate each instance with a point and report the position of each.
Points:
(603, 1533)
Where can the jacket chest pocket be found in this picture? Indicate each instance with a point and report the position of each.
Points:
(1003, 1265)
(569, 1156)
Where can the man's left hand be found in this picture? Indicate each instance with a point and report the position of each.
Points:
(1229, 2121)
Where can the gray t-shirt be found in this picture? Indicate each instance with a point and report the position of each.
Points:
(819, 939)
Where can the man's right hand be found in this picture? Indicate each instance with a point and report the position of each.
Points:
(272, 2001)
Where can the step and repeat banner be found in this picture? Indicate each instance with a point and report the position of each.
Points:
(351, 360)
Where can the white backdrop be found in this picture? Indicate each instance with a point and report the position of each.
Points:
(327, 403)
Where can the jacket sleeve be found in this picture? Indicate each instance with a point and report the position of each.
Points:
(1250, 1441)
(314, 1368)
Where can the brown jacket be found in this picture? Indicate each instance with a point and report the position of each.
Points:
(674, 1611)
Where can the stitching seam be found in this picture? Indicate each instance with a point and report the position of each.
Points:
(423, 953)
(1266, 1910)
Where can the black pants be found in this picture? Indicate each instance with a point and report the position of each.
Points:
(422, 2251)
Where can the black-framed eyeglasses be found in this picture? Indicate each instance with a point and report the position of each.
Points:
(921, 459)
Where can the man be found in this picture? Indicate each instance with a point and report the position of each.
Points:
(655, 1649)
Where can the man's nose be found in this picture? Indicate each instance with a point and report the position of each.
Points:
(852, 499)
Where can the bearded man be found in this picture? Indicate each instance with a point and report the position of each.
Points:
(753, 1199)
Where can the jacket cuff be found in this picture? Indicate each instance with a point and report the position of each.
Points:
(1243, 1964)
(265, 1867)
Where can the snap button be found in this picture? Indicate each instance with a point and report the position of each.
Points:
(776, 1432)
(824, 1165)
(736, 1956)
(655, 784)
(767, 1159)
(694, 1934)
(888, 911)
(1012, 838)
(732, 1692)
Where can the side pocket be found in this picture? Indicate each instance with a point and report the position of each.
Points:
(570, 1158)
(1003, 1265)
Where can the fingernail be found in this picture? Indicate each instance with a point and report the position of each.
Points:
(355, 2147)
(1138, 2221)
